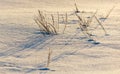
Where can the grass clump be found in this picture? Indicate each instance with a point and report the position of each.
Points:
(46, 26)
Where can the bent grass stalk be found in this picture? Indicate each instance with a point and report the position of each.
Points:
(109, 12)
(101, 25)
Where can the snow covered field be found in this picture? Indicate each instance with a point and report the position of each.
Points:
(24, 50)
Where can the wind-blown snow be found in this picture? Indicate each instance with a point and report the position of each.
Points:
(24, 50)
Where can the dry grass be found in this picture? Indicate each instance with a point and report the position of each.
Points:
(76, 8)
(86, 24)
(49, 57)
(58, 20)
(66, 21)
(45, 26)
(101, 25)
(83, 26)
(52, 25)
(91, 18)
(109, 12)
(107, 15)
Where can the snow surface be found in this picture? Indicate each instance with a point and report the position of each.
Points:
(24, 50)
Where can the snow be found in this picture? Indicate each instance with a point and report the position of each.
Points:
(24, 50)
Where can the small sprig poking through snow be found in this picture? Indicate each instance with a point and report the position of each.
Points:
(49, 57)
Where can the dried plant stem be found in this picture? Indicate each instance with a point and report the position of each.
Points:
(66, 21)
(109, 12)
(63, 18)
(101, 25)
(53, 28)
(91, 18)
(45, 26)
(53, 21)
(58, 20)
(49, 57)
(83, 26)
(38, 24)
(77, 10)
